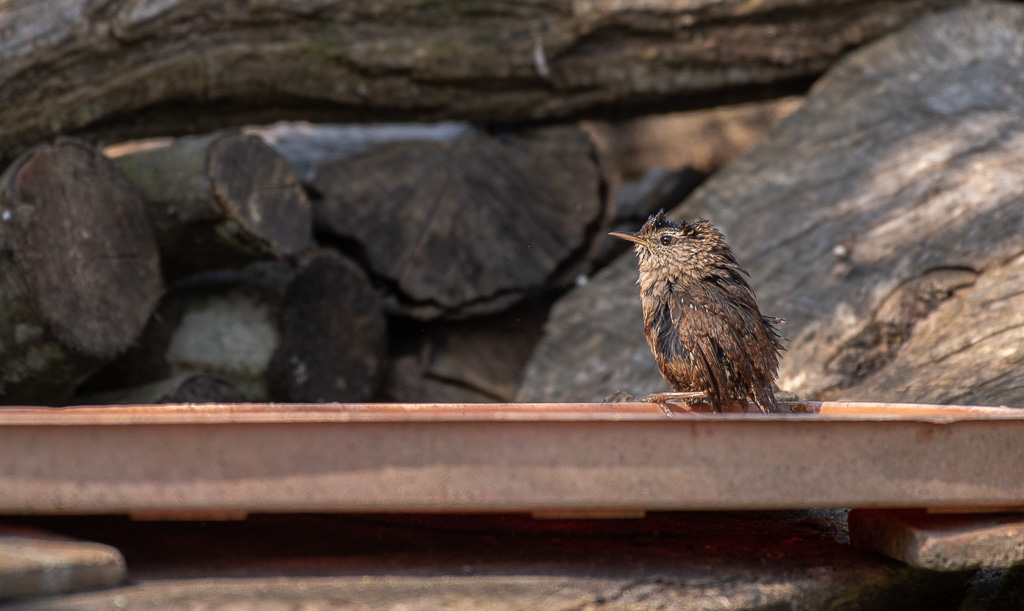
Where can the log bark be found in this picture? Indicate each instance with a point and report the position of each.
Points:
(79, 270)
(883, 219)
(311, 333)
(471, 225)
(220, 200)
(125, 69)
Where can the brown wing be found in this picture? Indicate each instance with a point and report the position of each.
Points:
(692, 350)
(727, 344)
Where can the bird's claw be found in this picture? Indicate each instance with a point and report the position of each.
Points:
(664, 398)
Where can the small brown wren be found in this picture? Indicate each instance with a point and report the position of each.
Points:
(701, 318)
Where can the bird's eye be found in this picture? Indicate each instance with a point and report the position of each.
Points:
(666, 240)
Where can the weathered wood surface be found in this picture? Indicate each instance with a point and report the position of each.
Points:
(220, 200)
(79, 270)
(310, 333)
(470, 225)
(123, 69)
(884, 220)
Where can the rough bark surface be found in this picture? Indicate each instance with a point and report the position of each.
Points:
(883, 220)
(470, 225)
(79, 270)
(220, 200)
(120, 69)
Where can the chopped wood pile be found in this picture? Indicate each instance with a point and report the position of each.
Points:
(190, 271)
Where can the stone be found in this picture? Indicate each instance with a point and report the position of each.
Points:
(941, 542)
(39, 564)
(657, 188)
(968, 351)
(882, 219)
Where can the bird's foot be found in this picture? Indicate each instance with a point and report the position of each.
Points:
(664, 398)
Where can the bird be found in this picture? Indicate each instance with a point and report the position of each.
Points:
(701, 319)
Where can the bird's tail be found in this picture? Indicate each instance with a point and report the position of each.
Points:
(764, 398)
(771, 324)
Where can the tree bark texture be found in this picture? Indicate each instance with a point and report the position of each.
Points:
(79, 270)
(122, 69)
(884, 220)
(471, 225)
(220, 200)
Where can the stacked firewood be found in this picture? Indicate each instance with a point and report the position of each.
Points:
(203, 269)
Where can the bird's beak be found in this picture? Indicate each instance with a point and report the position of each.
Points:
(632, 237)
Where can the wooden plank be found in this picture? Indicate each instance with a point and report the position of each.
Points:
(597, 458)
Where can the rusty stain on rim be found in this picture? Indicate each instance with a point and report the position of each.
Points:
(542, 458)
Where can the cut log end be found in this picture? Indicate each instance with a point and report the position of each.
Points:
(79, 239)
(220, 200)
(468, 226)
(256, 188)
(333, 335)
(79, 270)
